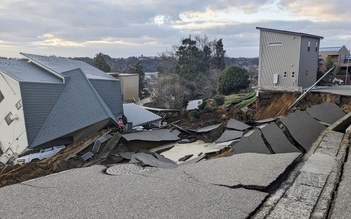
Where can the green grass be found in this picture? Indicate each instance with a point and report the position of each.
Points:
(237, 98)
(246, 102)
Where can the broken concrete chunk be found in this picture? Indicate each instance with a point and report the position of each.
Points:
(252, 144)
(326, 112)
(235, 124)
(205, 129)
(277, 140)
(303, 128)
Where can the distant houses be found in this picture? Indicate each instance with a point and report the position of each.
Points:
(288, 60)
(48, 100)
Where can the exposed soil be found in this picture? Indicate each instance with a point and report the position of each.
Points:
(268, 105)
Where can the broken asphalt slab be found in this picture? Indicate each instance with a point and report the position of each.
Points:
(89, 193)
(229, 135)
(303, 128)
(251, 144)
(248, 170)
(277, 140)
(326, 112)
(235, 124)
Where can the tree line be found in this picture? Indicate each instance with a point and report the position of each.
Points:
(196, 68)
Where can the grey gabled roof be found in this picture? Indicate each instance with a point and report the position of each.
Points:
(78, 106)
(60, 65)
(330, 49)
(289, 32)
(138, 115)
(23, 71)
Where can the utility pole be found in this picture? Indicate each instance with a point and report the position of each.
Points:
(347, 67)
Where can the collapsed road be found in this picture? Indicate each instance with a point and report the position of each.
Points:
(263, 181)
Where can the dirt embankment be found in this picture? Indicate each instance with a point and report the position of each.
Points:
(274, 104)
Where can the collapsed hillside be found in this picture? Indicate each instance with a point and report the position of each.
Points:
(268, 105)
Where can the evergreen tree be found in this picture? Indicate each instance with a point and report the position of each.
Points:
(219, 56)
(100, 63)
(138, 69)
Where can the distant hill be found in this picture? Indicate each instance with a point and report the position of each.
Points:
(152, 64)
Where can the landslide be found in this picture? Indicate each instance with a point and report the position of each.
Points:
(268, 105)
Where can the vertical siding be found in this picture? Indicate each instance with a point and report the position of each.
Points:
(279, 59)
(38, 99)
(309, 62)
(110, 92)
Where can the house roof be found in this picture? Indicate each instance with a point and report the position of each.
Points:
(60, 64)
(138, 115)
(330, 49)
(23, 71)
(78, 106)
(289, 32)
(57, 103)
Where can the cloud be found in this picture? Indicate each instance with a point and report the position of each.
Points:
(152, 26)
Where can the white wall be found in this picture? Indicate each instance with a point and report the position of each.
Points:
(13, 135)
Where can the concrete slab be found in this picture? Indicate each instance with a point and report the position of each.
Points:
(319, 163)
(88, 193)
(277, 140)
(343, 197)
(196, 148)
(155, 135)
(303, 128)
(249, 169)
(205, 129)
(235, 124)
(229, 135)
(326, 112)
(252, 144)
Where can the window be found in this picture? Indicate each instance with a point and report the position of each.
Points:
(316, 46)
(309, 46)
(19, 105)
(8, 118)
(285, 75)
(275, 44)
(1, 97)
(293, 74)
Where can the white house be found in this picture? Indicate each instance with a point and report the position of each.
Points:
(47, 101)
(287, 60)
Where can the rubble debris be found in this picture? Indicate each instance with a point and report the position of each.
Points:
(252, 144)
(297, 123)
(277, 140)
(326, 112)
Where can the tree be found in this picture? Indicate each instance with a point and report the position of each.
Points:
(232, 79)
(100, 63)
(169, 92)
(329, 63)
(219, 56)
(138, 69)
(198, 61)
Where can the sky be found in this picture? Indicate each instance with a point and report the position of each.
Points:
(84, 28)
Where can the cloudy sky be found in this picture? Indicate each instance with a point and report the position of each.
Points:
(83, 28)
